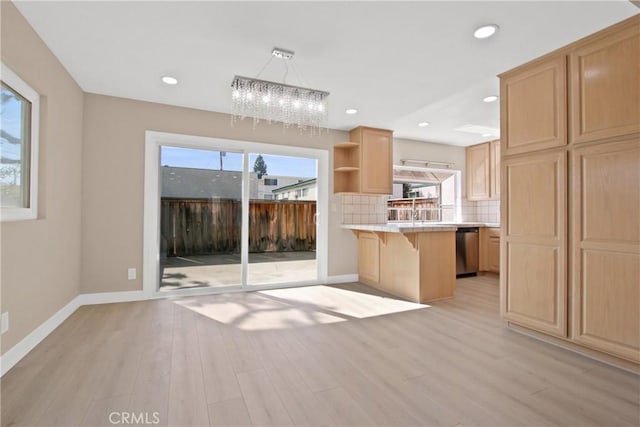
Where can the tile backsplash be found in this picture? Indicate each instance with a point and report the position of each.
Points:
(364, 209)
(481, 211)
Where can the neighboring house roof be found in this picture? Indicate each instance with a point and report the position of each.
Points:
(305, 183)
(193, 183)
(200, 183)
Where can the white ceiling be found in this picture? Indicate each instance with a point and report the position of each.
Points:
(399, 63)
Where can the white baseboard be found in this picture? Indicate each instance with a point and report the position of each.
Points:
(20, 350)
(343, 278)
(111, 297)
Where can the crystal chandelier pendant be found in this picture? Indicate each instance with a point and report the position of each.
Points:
(279, 102)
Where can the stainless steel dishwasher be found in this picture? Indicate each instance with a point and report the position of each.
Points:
(467, 242)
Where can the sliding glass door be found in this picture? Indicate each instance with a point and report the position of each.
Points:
(200, 218)
(230, 217)
(282, 219)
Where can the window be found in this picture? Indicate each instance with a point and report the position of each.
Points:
(270, 181)
(19, 114)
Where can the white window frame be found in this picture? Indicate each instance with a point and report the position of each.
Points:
(20, 214)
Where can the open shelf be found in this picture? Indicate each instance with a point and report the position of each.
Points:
(347, 144)
(346, 156)
(346, 181)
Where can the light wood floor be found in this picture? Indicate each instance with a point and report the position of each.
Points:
(311, 356)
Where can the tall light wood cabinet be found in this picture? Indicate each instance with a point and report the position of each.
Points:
(364, 163)
(570, 248)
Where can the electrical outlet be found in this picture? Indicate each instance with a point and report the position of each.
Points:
(131, 274)
(4, 320)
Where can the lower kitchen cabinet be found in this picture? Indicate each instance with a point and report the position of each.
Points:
(416, 266)
(493, 252)
(606, 248)
(368, 258)
(490, 249)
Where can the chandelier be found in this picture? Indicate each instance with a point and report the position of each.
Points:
(279, 102)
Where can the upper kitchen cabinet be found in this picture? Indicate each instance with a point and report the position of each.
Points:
(483, 170)
(494, 168)
(478, 172)
(534, 106)
(603, 73)
(364, 164)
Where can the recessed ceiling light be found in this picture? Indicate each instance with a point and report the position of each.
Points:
(490, 98)
(170, 80)
(486, 134)
(423, 124)
(485, 31)
(351, 111)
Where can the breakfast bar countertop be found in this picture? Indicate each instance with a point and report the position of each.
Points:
(417, 227)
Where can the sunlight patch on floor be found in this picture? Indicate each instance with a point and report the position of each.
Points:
(347, 302)
(293, 307)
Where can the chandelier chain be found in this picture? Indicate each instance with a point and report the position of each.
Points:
(264, 67)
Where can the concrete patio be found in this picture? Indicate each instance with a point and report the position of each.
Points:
(224, 270)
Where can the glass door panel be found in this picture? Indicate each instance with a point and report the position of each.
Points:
(200, 218)
(282, 219)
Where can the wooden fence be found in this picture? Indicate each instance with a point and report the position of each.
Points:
(204, 226)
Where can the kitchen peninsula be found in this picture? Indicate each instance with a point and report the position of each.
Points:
(411, 261)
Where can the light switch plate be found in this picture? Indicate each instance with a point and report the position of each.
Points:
(131, 274)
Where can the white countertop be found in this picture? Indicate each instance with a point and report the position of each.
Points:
(417, 227)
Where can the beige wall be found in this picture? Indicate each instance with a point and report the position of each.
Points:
(113, 185)
(40, 259)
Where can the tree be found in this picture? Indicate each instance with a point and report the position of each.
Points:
(260, 167)
(406, 190)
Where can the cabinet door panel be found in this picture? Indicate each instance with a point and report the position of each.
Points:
(606, 248)
(494, 255)
(376, 166)
(477, 168)
(605, 79)
(534, 296)
(368, 258)
(533, 107)
(533, 278)
(534, 196)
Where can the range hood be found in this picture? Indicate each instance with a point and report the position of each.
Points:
(422, 175)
